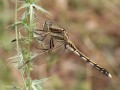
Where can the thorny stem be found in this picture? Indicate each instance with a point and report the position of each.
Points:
(17, 41)
(24, 48)
(29, 36)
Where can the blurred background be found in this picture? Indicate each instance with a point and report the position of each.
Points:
(93, 26)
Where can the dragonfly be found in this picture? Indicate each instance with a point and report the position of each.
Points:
(60, 35)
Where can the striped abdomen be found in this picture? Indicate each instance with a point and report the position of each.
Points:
(72, 48)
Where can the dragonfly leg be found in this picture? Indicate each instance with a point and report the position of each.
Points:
(42, 39)
(51, 45)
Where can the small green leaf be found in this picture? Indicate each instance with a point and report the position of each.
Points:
(24, 6)
(38, 84)
(15, 60)
(13, 25)
(14, 87)
(40, 8)
(24, 15)
(14, 57)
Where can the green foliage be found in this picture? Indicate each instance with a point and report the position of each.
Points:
(23, 44)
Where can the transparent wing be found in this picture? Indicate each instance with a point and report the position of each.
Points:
(45, 55)
(40, 18)
(49, 55)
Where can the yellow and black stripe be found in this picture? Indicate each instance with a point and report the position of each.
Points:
(72, 48)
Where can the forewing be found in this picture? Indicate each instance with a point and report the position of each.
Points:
(49, 55)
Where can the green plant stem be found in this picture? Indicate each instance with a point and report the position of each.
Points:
(24, 44)
(28, 48)
(17, 41)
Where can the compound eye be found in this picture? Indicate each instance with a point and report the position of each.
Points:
(63, 29)
(48, 23)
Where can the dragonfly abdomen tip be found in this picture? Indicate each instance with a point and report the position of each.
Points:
(110, 75)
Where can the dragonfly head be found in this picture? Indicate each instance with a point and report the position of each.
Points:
(48, 23)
